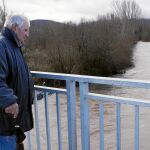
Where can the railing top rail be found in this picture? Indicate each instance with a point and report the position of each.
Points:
(93, 79)
(116, 99)
(50, 89)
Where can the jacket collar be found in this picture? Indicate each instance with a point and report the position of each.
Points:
(11, 36)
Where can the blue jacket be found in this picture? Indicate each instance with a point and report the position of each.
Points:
(15, 85)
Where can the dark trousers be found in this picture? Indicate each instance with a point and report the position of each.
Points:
(20, 146)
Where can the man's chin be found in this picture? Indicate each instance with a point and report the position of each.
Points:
(23, 42)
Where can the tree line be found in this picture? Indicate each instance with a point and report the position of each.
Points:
(103, 47)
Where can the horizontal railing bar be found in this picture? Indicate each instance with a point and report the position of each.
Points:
(50, 89)
(93, 79)
(121, 100)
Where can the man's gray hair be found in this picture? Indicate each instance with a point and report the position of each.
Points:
(18, 20)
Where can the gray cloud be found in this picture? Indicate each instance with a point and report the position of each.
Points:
(63, 10)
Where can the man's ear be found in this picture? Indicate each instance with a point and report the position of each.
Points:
(14, 27)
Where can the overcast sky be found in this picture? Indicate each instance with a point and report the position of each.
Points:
(67, 10)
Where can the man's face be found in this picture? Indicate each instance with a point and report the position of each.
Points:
(22, 32)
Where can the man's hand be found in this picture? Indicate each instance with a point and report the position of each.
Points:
(12, 109)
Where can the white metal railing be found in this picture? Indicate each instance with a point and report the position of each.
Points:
(85, 97)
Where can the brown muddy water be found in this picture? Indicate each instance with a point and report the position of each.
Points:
(141, 71)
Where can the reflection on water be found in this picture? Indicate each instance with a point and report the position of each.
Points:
(140, 71)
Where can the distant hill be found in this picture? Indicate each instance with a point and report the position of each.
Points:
(45, 23)
(41, 29)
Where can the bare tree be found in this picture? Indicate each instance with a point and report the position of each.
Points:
(126, 9)
(3, 13)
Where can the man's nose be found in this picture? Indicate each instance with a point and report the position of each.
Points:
(27, 34)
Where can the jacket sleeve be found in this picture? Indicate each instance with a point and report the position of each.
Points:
(7, 96)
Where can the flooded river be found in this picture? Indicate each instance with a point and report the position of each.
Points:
(141, 70)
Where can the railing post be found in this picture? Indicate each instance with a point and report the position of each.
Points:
(37, 122)
(29, 140)
(72, 136)
(136, 128)
(101, 108)
(47, 121)
(58, 122)
(84, 113)
(118, 126)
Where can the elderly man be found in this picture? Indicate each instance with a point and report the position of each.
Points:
(15, 83)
